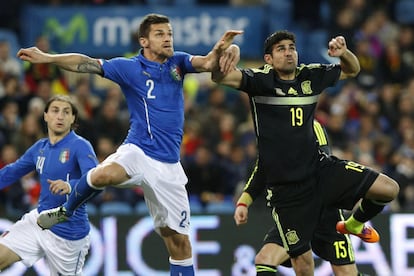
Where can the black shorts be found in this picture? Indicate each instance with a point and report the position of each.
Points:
(299, 206)
(328, 244)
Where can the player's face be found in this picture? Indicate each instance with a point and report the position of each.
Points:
(59, 118)
(284, 58)
(159, 44)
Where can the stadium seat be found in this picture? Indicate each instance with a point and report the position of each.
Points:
(115, 208)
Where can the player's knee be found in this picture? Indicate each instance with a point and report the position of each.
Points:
(390, 188)
(103, 177)
(262, 258)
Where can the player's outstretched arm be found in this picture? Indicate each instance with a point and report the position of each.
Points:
(71, 61)
(210, 62)
(350, 66)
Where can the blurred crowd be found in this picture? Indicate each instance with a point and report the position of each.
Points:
(369, 119)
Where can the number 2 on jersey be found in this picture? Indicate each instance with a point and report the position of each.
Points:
(297, 116)
(150, 85)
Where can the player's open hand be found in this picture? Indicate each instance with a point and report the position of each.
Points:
(337, 46)
(229, 59)
(59, 187)
(226, 40)
(241, 215)
(33, 55)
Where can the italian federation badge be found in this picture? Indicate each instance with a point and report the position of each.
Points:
(64, 156)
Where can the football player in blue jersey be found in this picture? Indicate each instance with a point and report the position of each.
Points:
(59, 160)
(152, 83)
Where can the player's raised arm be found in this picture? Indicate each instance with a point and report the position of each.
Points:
(71, 61)
(350, 66)
(210, 61)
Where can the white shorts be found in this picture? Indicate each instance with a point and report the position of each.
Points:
(163, 185)
(31, 243)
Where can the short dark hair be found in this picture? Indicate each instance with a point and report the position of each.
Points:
(275, 38)
(150, 19)
(66, 99)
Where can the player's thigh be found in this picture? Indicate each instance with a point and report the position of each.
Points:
(7, 257)
(296, 212)
(168, 204)
(23, 238)
(344, 182)
(330, 245)
(67, 257)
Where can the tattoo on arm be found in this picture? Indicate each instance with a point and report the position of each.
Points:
(90, 66)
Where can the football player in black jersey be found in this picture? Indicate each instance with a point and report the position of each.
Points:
(327, 243)
(301, 179)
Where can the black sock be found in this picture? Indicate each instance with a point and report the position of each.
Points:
(265, 270)
(368, 209)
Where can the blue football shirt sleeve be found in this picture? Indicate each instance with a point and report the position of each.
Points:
(22, 166)
(185, 62)
(86, 157)
(116, 69)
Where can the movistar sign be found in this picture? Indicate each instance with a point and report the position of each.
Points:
(107, 31)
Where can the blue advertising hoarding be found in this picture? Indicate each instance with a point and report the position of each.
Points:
(107, 31)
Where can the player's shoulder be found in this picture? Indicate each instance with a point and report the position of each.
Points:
(315, 67)
(263, 71)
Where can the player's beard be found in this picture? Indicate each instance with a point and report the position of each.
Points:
(288, 70)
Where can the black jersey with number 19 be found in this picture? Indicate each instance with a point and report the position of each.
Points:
(282, 109)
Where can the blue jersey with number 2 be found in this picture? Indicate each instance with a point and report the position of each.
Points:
(154, 95)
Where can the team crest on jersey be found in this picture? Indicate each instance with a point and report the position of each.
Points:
(292, 237)
(176, 73)
(306, 87)
(64, 156)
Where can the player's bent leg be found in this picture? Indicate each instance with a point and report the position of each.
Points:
(7, 257)
(268, 258)
(345, 270)
(303, 265)
(179, 248)
(107, 174)
(384, 189)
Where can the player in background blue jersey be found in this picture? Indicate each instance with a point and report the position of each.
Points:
(59, 160)
(152, 83)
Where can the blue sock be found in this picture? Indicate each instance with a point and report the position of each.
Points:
(178, 270)
(181, 267)
(80, 194)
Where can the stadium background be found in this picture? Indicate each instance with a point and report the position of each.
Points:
(369, 120)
